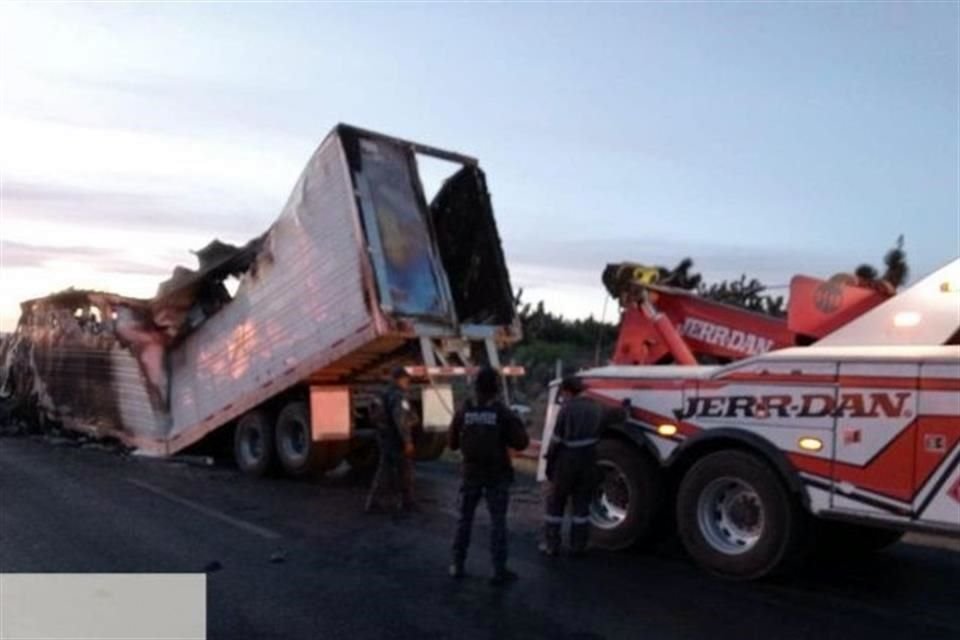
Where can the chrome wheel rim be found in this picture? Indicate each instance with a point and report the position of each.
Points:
(730, 515)
(611, 500)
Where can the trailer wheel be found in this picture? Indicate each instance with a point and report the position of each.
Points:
(430, 445)
(627, 497)
(735, 517)
(299, 455)
(253, 443)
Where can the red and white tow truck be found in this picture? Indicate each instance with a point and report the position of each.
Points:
(854, 438)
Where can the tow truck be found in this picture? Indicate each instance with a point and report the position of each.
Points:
(836, 425)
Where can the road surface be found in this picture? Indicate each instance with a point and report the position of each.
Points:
(296, 560)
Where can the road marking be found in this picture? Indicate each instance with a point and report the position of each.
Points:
(249, 527)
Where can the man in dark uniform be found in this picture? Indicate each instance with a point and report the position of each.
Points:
(483, 430)
(395, 439)
(571, 466)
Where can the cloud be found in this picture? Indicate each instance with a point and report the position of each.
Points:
(137, 211)
(141, 100)
(583, 260)
(23, 255)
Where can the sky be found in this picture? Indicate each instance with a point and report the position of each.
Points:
(760, 138)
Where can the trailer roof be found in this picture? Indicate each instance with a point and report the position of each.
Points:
(417, 147)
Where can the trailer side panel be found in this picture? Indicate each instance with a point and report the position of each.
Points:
(297, 309)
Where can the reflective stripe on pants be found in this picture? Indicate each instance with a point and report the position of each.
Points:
(574, 481)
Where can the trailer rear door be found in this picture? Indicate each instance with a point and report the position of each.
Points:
(410, 279)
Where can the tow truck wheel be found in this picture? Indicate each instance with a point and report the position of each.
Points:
(735, 517)
(627, 497)
(253, 443)
(299, 455)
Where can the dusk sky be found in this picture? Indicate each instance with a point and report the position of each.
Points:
(758, 138)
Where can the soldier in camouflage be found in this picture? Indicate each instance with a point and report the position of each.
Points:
(395, 439)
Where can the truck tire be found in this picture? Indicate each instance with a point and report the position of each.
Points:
(296, 450)
(736, 518)
(847, 539)
(253, 443)
(430, 445)
(627, 498)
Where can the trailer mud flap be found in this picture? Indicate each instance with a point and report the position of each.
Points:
(330, 418)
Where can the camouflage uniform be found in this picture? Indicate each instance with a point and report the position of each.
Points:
(394, 475)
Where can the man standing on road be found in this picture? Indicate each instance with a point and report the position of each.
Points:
(571, 466)
(483, 430)
(395, 440)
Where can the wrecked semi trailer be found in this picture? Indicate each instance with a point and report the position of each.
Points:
(359, 274)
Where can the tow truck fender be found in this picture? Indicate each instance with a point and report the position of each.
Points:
(636, 436)
(713, 439)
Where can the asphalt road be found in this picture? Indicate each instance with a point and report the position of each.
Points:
(300, 560)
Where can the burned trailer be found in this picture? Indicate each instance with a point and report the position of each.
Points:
(67, 364)
(358, 275)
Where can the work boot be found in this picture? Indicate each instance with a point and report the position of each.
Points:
(503, 577)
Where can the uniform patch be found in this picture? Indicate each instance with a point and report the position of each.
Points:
(484, 418)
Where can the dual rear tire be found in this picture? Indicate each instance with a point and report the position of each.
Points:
(736, 518)
(263, 444)
(734, 515)
(253, 446)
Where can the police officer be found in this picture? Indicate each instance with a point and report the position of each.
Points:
(395, 439)
(571, 466)
(483, 430)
